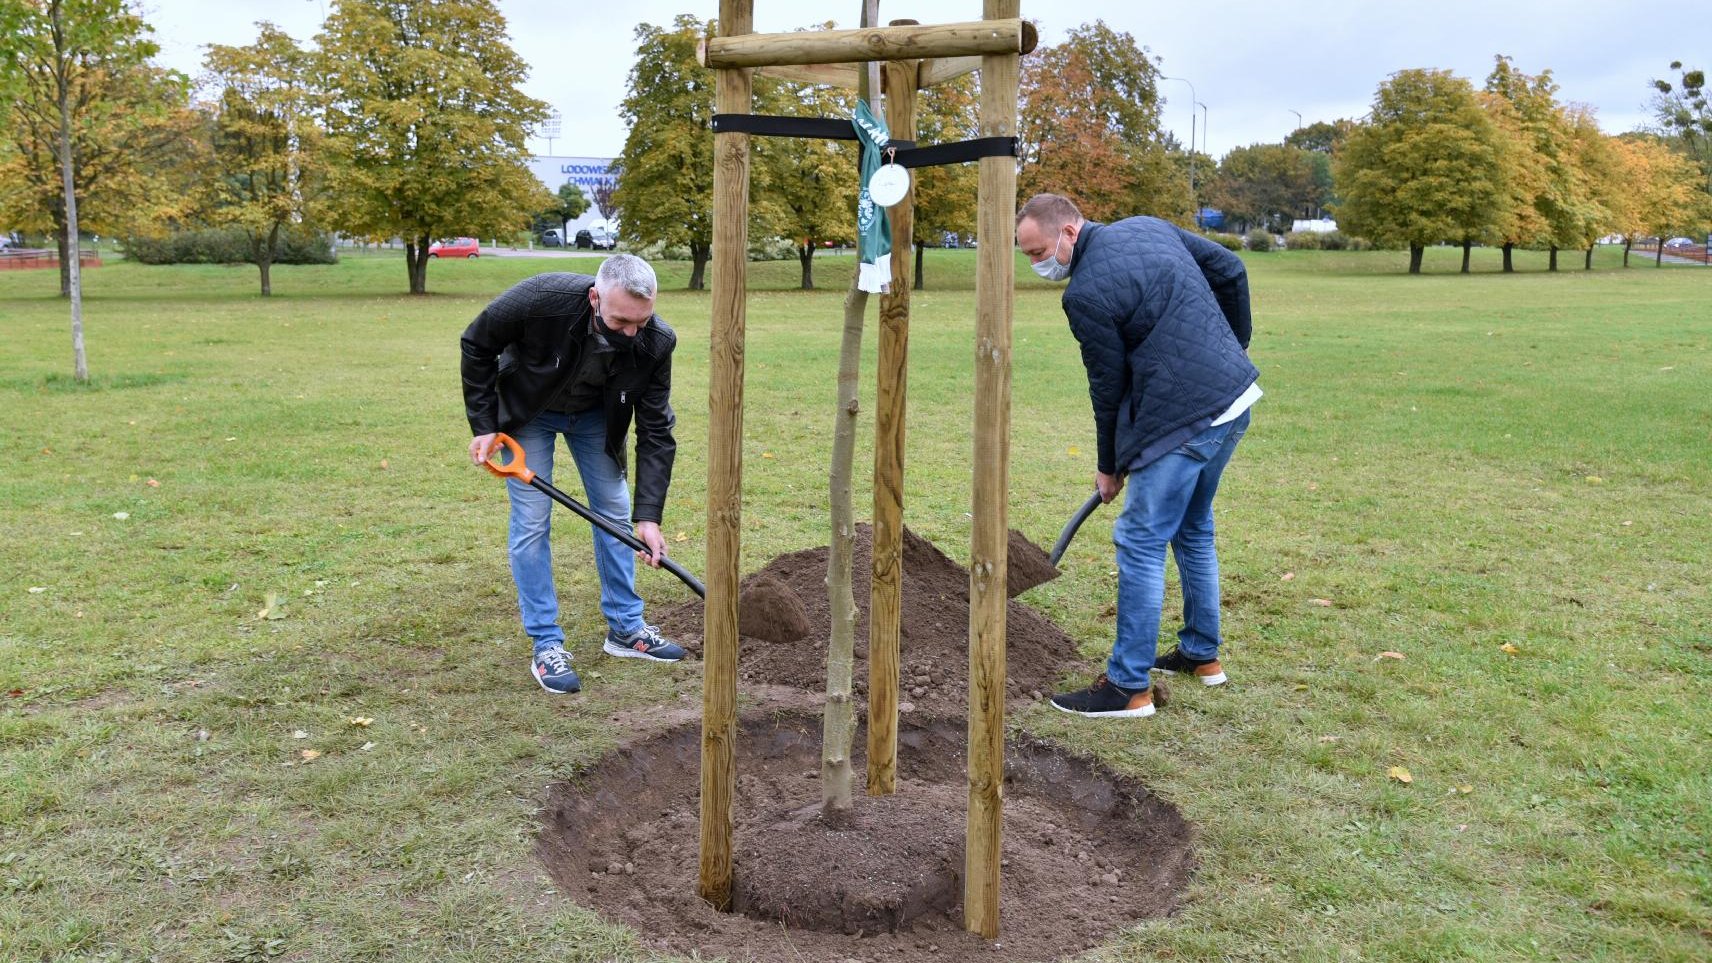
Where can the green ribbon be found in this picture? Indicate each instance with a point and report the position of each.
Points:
(873, 226)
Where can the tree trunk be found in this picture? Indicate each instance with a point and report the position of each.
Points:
(805, 256)
(1589, 265)
(699, 254)
(1416, 252)
(1552, 264)
(1509, 261)
(1467, 245)
(64, 248)
(416, 262)
(838, 726)
(919, 286)
(265, 252)
(71, 260)
(1628, 242)
(1658, 255)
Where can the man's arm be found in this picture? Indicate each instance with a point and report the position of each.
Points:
(656, 448)
(1108, 374)
(1228, 277)
(498, 326)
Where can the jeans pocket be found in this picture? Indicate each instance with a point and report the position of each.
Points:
(1205, 446)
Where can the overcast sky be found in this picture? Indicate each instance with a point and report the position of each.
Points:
(1251, 63)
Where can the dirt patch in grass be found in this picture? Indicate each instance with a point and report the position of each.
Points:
(790, 592)
(1086, 851)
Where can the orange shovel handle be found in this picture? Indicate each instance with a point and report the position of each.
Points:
(515, 467)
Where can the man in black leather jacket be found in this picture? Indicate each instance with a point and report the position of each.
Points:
(579, 357)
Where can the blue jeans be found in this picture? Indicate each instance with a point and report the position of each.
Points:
(1170, 503)
(531, 522)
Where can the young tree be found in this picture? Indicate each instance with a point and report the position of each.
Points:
(945, 196)
(265, 158)
(808, 186)
(133, 135)
(1427, 166)
(426, 124)
(568, 204)
(665, 180)
(57, 56)
(1089, 127)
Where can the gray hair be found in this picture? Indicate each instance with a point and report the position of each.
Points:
(629, 272)
(1050, 211)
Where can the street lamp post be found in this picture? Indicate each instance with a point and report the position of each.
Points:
(1193, 199)
(1298, 116)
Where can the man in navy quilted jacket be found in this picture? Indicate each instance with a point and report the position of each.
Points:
(1163, 320)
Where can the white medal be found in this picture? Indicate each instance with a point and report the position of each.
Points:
(889, 184)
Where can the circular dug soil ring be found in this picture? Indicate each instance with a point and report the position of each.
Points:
(1087, 852)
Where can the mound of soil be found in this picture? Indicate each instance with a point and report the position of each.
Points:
(1086, 851)
(934, 633)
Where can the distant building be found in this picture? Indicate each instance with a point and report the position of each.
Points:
(588, 173)
(1318, 225)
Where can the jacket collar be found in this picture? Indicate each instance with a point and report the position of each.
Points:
(1085, 235)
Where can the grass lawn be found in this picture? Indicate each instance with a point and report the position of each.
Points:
(259, 524)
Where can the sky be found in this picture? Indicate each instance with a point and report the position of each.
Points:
(1254, 65)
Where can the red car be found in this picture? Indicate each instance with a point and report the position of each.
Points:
(455, 247)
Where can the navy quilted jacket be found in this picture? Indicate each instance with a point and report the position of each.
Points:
(1162, 317)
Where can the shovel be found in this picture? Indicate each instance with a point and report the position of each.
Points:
(515, 468)
(1075, 522)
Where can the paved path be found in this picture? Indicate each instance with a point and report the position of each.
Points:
(539, 252)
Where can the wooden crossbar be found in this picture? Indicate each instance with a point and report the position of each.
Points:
(977, 37)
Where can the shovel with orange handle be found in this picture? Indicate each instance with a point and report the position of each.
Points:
(516, 468)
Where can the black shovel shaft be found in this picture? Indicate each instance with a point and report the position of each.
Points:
(1076, 521)
(606, 525)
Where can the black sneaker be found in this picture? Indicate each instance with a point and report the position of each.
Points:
(1209, 672)
(1104, 700)
(646, 643)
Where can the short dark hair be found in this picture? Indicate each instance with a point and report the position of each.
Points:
(1051, 211)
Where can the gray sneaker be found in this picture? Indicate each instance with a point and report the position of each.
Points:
(552, 669)
(645, 643)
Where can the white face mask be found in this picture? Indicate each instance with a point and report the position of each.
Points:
(1049, 267)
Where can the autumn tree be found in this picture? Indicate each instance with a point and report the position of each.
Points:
(1516, 221)
(426, 123)
(1426, 166)
(665, 180)
(1321, 137)
(1599, 170)
(1089, 127)
(946, 194)
(1685, 114)
(132, 134)
(807, 187)
(1662, 191)
(1561, 194)
(264, 170)
(1270, 184)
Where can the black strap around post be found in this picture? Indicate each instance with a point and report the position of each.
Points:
(832, 128)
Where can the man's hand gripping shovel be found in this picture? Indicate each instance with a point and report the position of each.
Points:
(514, 467)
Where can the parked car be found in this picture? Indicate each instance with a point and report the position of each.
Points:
(465, 247)
(1681, 242)
(584, 240)
(552, 238)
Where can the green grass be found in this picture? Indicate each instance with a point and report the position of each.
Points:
(1456, 464)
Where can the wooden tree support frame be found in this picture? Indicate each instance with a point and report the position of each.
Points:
(998, 40)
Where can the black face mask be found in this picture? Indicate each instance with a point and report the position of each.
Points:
(620, 341)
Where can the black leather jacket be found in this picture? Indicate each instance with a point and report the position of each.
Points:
(522, 348)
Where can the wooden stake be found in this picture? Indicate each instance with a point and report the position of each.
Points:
(994, 278)
(995, 35)
(885, 607)
(936, 72)
(724, 471)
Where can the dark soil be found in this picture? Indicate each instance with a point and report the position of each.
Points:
(1086, 852)
(1027, 565)
(934, 634)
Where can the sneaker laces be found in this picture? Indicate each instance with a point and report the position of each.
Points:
(556, 660)
(646, 638)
